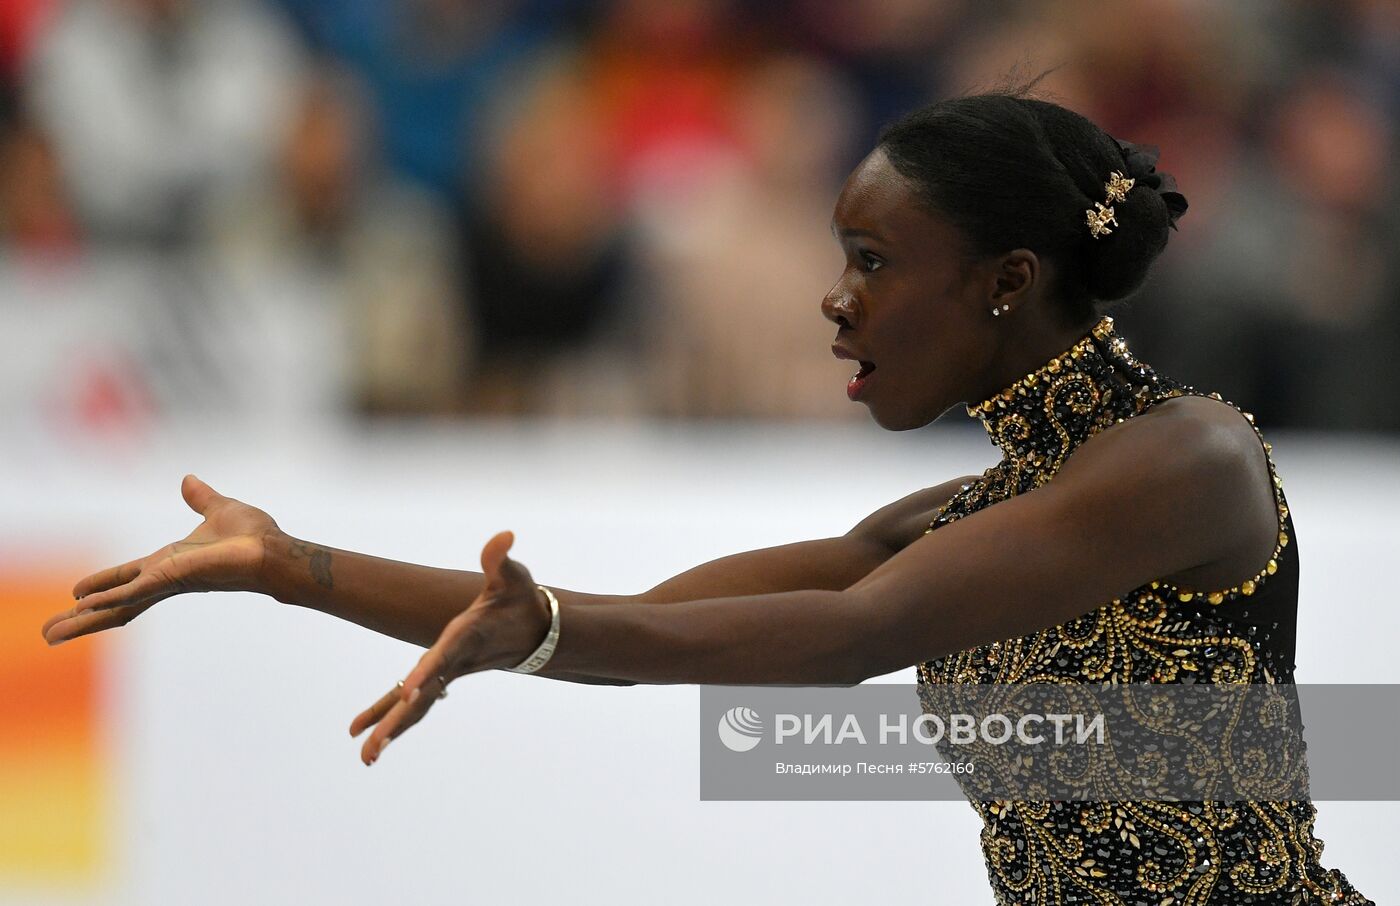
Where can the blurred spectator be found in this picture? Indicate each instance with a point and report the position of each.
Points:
(74, 366)
(1286, 304)
(740, 264)
(643, 105)
(895, 54)
(547, 255)
(431, 66)
(346, 273)
(152, 105)
(35, 219)
(20, 20)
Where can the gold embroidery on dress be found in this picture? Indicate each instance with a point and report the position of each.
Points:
(1111, 852)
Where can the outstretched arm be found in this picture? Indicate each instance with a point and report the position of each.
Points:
(241, 548)
(414, 603)
(1139, 503)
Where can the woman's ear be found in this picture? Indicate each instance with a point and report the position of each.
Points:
(1015, 276)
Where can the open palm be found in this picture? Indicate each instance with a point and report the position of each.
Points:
(499, 629)
(224, 553)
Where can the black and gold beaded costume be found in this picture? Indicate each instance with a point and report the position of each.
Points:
(1127, 853)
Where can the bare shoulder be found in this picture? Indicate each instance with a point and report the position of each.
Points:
(1206, 452)
(1222, 434)
(897, 525)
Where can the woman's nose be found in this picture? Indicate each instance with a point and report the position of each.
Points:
(838, 307)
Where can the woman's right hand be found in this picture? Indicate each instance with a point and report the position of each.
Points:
(225, 552)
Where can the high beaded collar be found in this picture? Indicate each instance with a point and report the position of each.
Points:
(1040, 418)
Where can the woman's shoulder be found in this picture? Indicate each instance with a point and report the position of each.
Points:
(1222, 432)
(1216, 459)
(1197, 443)
(1201, 440)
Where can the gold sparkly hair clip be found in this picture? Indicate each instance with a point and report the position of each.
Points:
(1100, 215)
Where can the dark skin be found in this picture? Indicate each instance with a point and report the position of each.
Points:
(1180, 493)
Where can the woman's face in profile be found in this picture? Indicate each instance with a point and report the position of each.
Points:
(908, 305)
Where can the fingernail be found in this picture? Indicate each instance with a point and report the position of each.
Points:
(382, 746)
(413, 696)
(59, 642)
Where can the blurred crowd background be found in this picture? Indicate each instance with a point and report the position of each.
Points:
(336, 209)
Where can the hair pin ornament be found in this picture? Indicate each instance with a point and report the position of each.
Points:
(1117, 186)
(1100, 216)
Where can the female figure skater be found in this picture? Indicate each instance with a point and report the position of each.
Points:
(983, 237)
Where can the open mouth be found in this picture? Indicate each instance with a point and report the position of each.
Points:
(858, 381)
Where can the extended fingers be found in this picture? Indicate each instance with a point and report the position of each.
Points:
(141, 588)
(375, 712)
(57, 618)
(400, 716)
(451, 655)
(70, 624)
(126, 601)
(107, 578)
(384, 732)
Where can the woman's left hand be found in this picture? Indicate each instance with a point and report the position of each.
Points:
(501, 628)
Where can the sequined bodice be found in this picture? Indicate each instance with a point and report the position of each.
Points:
(1182, 854)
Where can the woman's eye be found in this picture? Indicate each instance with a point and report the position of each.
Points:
(871, 262)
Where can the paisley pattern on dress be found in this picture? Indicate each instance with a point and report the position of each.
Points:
(1125, 853)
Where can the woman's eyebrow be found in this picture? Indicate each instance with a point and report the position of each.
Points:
(848, 232)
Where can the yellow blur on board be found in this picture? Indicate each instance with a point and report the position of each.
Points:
(55, 785)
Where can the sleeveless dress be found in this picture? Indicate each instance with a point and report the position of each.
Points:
(1126, 853)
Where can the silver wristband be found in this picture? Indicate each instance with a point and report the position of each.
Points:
(541, 655)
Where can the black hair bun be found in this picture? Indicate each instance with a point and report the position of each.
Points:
(1120, 261)
(1141, 161)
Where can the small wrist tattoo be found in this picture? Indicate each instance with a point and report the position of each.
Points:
(320, 561)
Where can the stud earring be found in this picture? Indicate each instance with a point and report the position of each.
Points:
(997, 311)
